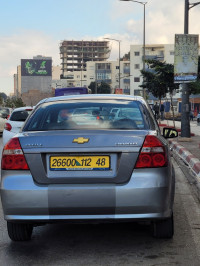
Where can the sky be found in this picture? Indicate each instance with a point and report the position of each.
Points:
(31, 28)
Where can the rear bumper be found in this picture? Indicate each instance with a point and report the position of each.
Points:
(148, 195)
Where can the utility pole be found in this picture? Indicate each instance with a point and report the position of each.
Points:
(119, 57)
(144, 42)
(185, 121)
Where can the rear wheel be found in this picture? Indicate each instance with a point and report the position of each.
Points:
(164, 228)
(19, 231)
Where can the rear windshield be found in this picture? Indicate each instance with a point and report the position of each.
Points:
(20, 115)
(88, 114)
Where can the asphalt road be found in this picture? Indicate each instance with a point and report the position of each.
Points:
(118, 244)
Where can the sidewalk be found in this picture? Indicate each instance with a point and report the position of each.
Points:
(187, 149)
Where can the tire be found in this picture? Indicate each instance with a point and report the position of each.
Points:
(164, 228)
(19, 231)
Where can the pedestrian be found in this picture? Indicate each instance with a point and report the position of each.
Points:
(156, 110)
(191, 115)
(162, 110)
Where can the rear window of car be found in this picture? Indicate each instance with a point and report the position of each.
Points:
(20, 115)
(88, 114)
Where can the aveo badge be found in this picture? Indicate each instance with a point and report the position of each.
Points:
(80, 140)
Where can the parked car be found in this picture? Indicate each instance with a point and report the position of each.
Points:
(15, 122)
(5, 112)
(4, 115)
(57, 170)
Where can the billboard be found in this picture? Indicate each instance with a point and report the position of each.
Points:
(186, 58)
(118, 91)
(36, 67)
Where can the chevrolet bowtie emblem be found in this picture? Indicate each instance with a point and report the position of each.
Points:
(80, 140)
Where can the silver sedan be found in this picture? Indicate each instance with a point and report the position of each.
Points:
(61, 169)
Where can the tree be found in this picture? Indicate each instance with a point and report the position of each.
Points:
(103, 88)
(14, 102)
(9, 103)
(1, 100)
(18, 102)
(3, 95)
(159, 79)
(92, 87)
(194, 87)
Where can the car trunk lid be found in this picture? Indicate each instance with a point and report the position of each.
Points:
(119, 147)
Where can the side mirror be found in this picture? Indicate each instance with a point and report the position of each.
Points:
(170, 133)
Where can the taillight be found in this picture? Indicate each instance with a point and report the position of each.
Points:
(13, 157)
(8, 126)
(152, 154)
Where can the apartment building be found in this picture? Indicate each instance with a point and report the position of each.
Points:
(162, 52)
(108, 71)
(75, 54)
(72, 79)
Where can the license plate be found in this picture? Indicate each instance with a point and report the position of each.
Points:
(81, 163)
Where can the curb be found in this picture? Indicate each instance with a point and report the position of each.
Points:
(187, 157)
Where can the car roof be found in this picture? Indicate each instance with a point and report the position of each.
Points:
(22, 108)
(94, 97)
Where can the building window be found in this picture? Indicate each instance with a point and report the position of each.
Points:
(78, 76)
(103, 66)
(103, 76)
(137, 53)
(136, 79)
(171, 52)
(137, 66)
(85, 76)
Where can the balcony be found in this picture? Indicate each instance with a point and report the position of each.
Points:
(127, 70)
(154, 57)
(127, 81)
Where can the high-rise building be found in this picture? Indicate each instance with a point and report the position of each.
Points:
(75, 54)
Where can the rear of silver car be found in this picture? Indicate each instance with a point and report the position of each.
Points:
(52, 189)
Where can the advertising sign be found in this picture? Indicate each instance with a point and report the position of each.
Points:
(33, 67)
(186, 58)
(118, 91)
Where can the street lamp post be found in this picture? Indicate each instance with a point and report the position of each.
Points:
(144, 41)
(185, 122)
(119, 56)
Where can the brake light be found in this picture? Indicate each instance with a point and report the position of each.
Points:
(8, 126)
(13, 157)
(152, 154)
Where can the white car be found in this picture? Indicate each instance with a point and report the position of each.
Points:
(4, 115)
(15, 122)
